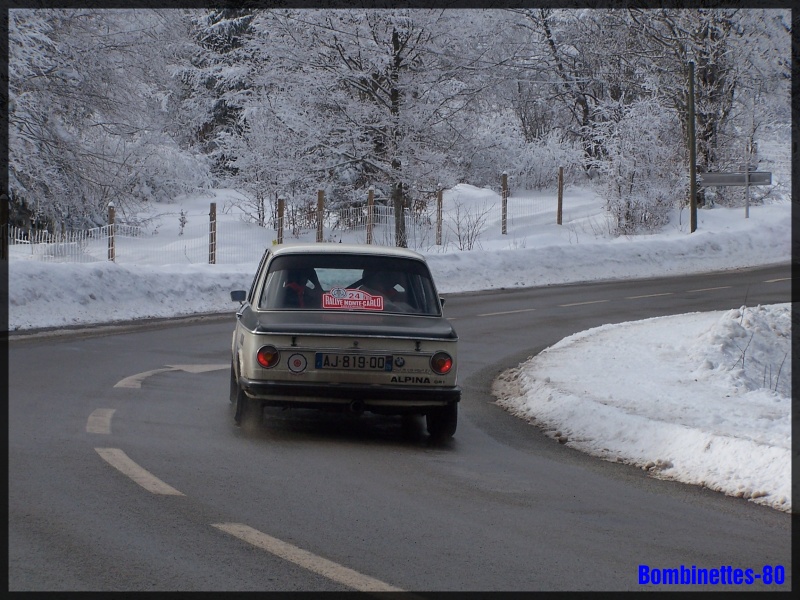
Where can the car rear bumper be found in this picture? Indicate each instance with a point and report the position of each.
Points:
(287, 393)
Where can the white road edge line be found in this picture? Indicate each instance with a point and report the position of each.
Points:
(777, 280)
(506, 312)
(120, 461)
(307, 560)
(100, 421)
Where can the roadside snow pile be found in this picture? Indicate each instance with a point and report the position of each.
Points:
(52, 295)
(703, 398)
(748, 349)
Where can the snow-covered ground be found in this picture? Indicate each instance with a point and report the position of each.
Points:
(678, 396)
(702, 398)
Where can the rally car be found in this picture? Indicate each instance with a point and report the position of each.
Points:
(344, 327)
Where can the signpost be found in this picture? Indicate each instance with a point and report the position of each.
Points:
(726, 179)
(744, 178)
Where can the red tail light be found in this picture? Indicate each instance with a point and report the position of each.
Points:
(441, 363)
(268, 356)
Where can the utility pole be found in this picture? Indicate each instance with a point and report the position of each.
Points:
(692, 153)
(559, 212)
(748, 155)
(112, 251)
(504, 192)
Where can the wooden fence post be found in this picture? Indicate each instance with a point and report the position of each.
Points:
(398, 204)
(439, 215)
(279, 224)
(111, 249)
(560, 194)
(370, 213)
(212, 234)
(504, 219)
(320, 212)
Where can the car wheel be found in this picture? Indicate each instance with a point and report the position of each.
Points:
(234, 385)
(442, 421)
(248, 412)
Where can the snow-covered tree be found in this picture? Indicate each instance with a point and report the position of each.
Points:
(608, 64)
(641, 171)
(216, 75)
(761, 110)
(586, 67)
(368, 98)
(89, 95)
(731, 49)
(139, 105)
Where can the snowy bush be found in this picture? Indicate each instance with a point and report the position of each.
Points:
(641, 175)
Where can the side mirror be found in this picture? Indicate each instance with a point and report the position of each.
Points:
(442, 301)
(238, 295)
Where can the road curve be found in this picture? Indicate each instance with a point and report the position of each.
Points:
(148, 486)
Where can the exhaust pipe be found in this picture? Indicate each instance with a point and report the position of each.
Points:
(357, 407)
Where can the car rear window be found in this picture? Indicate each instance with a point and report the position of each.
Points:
(349, 283)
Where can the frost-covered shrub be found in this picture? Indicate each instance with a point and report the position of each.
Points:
(500, 146)
(542, 159)
(642, 175)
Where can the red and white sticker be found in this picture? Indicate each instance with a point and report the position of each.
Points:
(297, 363)
(346, 299)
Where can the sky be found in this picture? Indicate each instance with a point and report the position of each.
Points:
(732, 433)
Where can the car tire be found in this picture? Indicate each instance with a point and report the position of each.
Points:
(248, 411)
(234, 385)
(442, 422)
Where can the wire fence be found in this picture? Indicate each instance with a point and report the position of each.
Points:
(134, 245)
(198, 239)
(89, 245)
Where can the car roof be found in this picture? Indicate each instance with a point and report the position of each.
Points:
(334, 248)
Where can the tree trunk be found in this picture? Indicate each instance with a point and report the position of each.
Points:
(397, 188)
(399, 216)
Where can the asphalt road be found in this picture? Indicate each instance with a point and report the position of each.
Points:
(126, 472)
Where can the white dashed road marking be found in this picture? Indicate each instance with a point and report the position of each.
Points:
(120, 461)
(307, 560)
(583, 303)
(711, 289)
(199, 368)
(100, 421)
(135, 381)
(506, 312)
(648, 296)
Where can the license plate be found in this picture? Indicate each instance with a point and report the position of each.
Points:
(353, 362)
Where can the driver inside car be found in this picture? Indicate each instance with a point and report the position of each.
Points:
(301, 289)
(391, 285)
(384, 283)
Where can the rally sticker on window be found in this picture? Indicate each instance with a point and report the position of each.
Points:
(351, 299)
